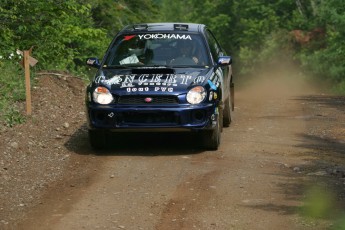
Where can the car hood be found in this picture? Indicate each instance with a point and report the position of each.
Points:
(151, 81)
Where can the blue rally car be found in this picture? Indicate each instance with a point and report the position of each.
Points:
(161, 77)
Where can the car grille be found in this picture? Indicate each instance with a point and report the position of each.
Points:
(149, 118)
(140, 100)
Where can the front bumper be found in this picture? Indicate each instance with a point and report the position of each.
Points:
(142, 118)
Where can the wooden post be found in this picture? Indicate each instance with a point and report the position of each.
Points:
(27, 82)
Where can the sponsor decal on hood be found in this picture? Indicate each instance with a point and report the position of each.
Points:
(152, 82)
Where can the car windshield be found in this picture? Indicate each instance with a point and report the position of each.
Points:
(158, 49)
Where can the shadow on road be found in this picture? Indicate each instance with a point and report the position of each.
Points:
(143, 144)
(330, 101)
(320, 179)
(325, 125)
(325, 145)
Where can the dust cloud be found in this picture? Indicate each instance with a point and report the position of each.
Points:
(276, 80)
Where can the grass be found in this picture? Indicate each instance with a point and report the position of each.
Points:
(12, 92)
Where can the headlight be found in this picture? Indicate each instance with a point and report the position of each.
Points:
(196, 95)
(102, 96)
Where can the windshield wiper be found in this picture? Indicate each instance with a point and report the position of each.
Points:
(115, 67)
(184, 66)
(156, 66)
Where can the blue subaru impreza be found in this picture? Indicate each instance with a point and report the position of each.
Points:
(161, 77)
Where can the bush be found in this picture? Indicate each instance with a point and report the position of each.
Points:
(12, 90)
(61, 32)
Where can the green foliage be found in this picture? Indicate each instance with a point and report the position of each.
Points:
(60, 31)
(65, 32)
(256, 31)
(176, 11)
(340, 87)
(14, 117)
(327, 59)
(216, 16)
(12, 90)
(242, 27)
(319, 203)
(114, 15)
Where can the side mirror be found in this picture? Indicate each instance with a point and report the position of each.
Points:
(224, 60)
(93, 62)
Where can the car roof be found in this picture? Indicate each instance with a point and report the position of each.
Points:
(164, 27)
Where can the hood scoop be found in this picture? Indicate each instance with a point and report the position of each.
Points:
(153, 71)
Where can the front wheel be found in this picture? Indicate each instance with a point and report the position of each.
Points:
(211, 138)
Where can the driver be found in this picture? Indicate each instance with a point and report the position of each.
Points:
(134, 52)
(185, 54)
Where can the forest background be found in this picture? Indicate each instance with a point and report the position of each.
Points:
(257, 33)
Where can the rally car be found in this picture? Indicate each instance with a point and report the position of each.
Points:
(161, 77)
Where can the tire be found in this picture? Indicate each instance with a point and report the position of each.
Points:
(232, 90)
(211, 138)
(98, 139)
(227, 112)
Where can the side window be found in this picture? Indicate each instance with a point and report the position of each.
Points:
(215, 49)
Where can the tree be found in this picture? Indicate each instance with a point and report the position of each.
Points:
(60, 31)
(328, 59)
(114, 15)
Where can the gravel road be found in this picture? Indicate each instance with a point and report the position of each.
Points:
(280, 166)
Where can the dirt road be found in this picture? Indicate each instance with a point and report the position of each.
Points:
(280, 163)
